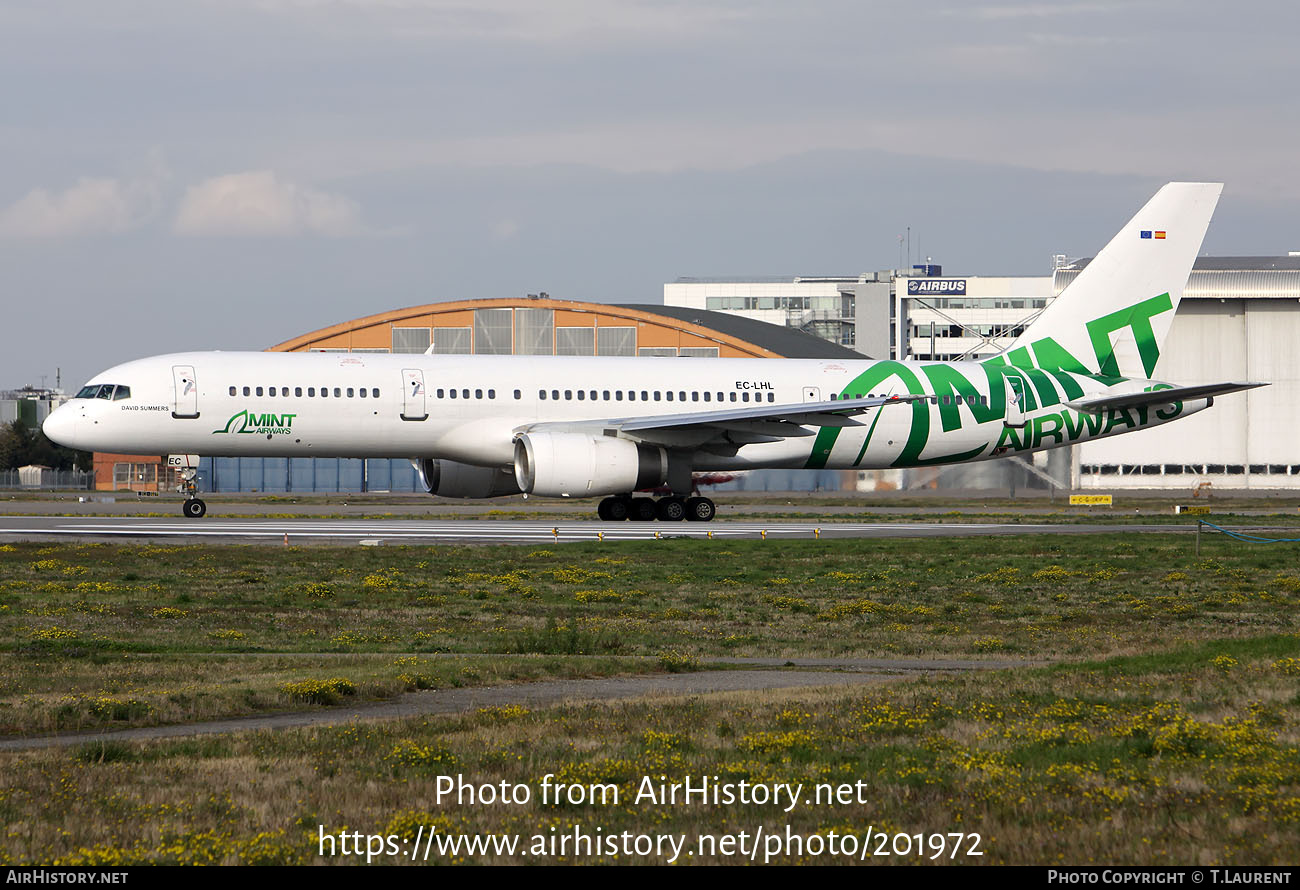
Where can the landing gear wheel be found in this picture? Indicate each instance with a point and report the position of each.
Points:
(700, 509)
(613, 509)
(671, 509)
(194, 508)
(641, 510)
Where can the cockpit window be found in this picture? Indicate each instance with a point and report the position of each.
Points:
(109, 391)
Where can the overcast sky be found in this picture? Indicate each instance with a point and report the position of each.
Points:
(183, 174)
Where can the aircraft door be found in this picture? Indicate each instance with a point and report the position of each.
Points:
(413, 407)
(812, 394)
(1015, 402)
(185, 393)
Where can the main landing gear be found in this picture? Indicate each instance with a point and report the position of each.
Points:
(669, 509)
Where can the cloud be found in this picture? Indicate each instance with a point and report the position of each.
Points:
(1038, 10)
(257, 203)
(572, 22)
(92, 206)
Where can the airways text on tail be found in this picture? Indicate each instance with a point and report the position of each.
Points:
(483, 426)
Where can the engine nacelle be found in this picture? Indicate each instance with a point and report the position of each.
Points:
(449, 479)
(577, 465)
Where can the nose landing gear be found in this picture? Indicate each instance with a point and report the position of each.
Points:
(193, 507)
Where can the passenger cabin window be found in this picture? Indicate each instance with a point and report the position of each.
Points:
(518, 394)
(232, 390)
(311, 392)
(351, 393)
(338, 392)
(374, 392)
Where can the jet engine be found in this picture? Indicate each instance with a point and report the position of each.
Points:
(578, 465)
(449, 479)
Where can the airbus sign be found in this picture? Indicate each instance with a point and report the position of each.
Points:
(936, 286)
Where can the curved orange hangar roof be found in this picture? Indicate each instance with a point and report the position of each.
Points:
(306, 342)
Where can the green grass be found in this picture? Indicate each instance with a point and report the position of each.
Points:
(1166, 730)
(53, 693)
(1113, 761)
(1027, 596)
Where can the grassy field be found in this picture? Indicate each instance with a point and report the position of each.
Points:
(1167, 729)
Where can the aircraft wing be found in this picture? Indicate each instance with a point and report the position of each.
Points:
(737, 426)
(1160, 396)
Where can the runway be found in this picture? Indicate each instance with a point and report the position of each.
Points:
(487, 531)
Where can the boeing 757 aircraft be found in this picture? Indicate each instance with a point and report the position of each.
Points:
(561, 426)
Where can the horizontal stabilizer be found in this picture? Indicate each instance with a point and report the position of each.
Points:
(1160, 396)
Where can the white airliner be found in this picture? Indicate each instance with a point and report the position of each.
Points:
(487, 426)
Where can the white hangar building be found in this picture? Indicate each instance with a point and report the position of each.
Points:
(1239, 320)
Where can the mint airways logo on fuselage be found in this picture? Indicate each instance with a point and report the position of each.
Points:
(1042, 375)
(259, 424)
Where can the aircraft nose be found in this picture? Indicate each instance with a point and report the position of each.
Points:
(60, 427)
